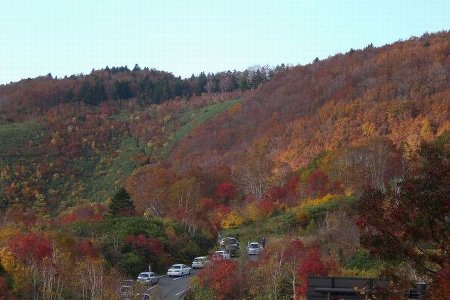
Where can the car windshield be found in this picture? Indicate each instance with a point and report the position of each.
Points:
(143, 275)
(198, 259)
(254, 246)
(176, 267)
(230, 240)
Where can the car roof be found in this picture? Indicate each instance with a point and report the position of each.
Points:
(200, 257)
(177, 265)
(128, 281)
(146, 273)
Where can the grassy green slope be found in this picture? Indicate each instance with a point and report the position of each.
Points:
(104, 176)
(109, 172)
(18, 145)
(191, 119)
(15, 137)
(98, 176)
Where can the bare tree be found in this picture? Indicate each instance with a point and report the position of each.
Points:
(254, 175)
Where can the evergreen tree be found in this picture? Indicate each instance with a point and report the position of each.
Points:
(99, 93)
(121, 204)
(201, 84)
(83, 91)
(136, 68)
(258, 78)
(234, 81)
(244, 82)
(216, 83)
(122, 90)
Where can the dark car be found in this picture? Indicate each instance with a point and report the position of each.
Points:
(234, 250)
(229, 241)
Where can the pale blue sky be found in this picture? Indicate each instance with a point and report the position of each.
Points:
(188, 36)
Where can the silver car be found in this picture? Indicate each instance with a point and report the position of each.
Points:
(199, 262)
(254, 248)
(125, 292)
(148, 278)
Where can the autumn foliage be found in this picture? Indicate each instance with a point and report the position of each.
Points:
(31, 247)
(311, 265)
(223, 278)
(143, 243)
(108, 172)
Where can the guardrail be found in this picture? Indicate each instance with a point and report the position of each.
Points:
(327, 288)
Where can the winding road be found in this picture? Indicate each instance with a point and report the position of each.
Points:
(170, 288)
(176, 288)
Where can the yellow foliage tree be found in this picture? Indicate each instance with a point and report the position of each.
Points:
(253, 212)
(8, 232)
(232, 220)
(15, 269)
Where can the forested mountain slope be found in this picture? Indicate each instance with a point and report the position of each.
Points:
(399, 91)
(110, 172)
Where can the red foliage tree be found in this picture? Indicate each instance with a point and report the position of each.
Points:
(145, 243)
(85, 248)
(267, 207)
(225, 190)
(293, 256)
(317, 183)
(86, 213)
(5, 292)
(224, 278)
(277, 193)
(206, 205)
(311, 265)
(30, 247)
(440, 288)
(413, 218)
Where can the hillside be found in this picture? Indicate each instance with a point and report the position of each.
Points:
(119, 169)
(398, 91)
(29, 98)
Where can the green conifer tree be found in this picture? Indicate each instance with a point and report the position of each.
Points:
(121, 204)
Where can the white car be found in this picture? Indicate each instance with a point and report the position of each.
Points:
(199, 262)
(254, 248)
(222, 254)
(178, 270)
(148, 278)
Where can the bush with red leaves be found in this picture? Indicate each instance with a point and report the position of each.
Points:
(142, 242)
(223, 278)
(30, 247)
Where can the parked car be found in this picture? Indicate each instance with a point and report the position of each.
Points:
(148, 278)
(229, 241)
(221, 254)
(254, 248)
(126, 289)
(125, 292)
(178, 270)
(145, 295)
(233, 250)
(199, 262)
